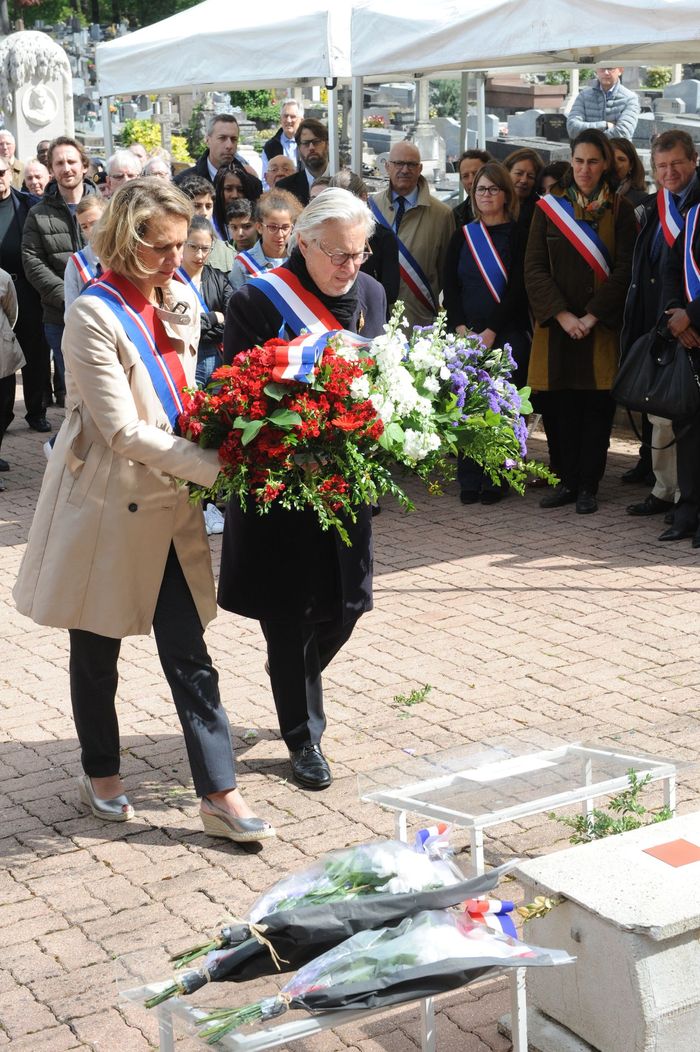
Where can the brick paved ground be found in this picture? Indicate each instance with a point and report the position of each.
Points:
(519, 619)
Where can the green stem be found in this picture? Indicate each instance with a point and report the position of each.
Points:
(170, 991)
(217, 1024)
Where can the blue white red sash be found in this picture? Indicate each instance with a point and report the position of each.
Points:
(486, 258)
(578, 233)
(691, 271)
(298, 359)
(669, 217)
(409, 267)
(159, 357)
(251, 264)
(86, 270)
(182, 275)
(300, 309)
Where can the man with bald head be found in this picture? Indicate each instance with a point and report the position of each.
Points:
(423, 227)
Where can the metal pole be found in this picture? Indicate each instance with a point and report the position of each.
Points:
(333, 158)
(357, 128)
(481, 110)
(107, 126)
(463, 120)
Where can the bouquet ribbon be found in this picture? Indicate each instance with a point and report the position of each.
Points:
(299, 359)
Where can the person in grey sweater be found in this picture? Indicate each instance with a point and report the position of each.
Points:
(608, 106)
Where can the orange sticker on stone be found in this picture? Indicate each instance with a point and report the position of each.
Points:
(675, 853)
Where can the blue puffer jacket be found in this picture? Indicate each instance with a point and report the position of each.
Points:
(593, 109)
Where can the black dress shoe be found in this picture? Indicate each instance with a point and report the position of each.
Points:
(4, 466)
(39, 423)
(469, 496)
(669, 517)
(677, 533)
(638, 473)
(491, 496)
(696, 540)
(651, 505)
(558, 497)
(586, 503)
(310, 767)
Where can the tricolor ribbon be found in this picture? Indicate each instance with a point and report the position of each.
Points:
(250, 264)
(669, 217)
(691, 271)
(158, 355)
(410, 269)
(86, 270)
(493, 914)
(300, 309)
(578, 233)
(486, 257)
(299, 359)
(182, 275)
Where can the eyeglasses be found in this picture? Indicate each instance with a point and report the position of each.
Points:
(411, 165)
(491, 191)
(311, 142)
(275, 228)
(198, 248)
(4, 171)
(339, 259)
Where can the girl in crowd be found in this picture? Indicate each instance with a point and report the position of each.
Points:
(577, 271)
(83, 265)
(212, 289)
(232, 181)
(525, 167)
(485, 293)
(276, 213)
(629, 171)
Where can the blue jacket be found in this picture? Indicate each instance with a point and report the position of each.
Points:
(592, 108)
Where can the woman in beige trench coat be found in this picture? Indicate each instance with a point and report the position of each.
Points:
(115, 547)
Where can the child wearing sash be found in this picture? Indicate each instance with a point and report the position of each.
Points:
(276, 213)
(83, 266)
(577, 272)
(485, 292)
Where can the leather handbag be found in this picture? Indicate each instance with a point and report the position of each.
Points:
(657, 376)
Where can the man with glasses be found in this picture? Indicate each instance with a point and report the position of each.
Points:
(122, 166)
(308, 612)
(51, 235)
(312, 142)
(608, 106)
(423, 227)
(283, 143)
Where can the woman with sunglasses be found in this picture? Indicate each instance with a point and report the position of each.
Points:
(304, 586)
(276, 212)
(232, 181)
(213, 291)
(484, 292)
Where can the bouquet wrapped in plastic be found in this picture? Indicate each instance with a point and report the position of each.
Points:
(308, 912)
(426, 954)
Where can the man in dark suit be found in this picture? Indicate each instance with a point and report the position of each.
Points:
(283, 143)
(312, 143)
(222, 137)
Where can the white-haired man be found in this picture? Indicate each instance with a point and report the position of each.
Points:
(7, 152)
(283, 142)
(122, 166)
(423, 227)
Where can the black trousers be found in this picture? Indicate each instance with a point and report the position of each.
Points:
(192, 678)
(687, 509)
(297, 654)
(36, 374)
(581, 423)
(7, 402)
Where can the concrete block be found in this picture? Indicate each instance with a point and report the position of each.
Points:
(524, 123)
(669, 105)
(688, 91)
(632, 921)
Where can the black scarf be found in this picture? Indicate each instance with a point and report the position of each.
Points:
(344, 308)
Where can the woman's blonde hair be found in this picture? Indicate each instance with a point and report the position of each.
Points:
(120, 232)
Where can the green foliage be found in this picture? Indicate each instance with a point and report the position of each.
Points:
(148, 133)
(624, 812)
(415, 697)
(50, 11)
(257, 105)
(195, 131)
(658, 76)
(445, 97)
(557, 76)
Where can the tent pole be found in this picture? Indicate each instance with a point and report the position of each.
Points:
(463, 121)
(333, 159)
(358, 110)
(481, 110)
(107, 126)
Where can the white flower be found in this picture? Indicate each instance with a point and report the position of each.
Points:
(417, 444)
(383, 406)
(424, 355)
(359, 388)
(444, 373)
(431, 384)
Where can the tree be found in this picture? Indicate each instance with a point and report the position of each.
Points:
(445, 97)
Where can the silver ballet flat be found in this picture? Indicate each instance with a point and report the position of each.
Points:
(241, 830)
(118, 809)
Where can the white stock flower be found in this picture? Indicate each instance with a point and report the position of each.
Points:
(417, 444)
(423, 355)
(431, 384)
(359, 388)
(444, 373)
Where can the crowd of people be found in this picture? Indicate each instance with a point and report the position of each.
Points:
(552, 260)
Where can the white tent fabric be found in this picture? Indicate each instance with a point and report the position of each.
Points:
(222, 44)
(398, 40)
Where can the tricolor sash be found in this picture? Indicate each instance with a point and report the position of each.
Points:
(300, 309)
(86, 270)
(409, 267)
(578, 233)
(182, 275)
(251, 264)
(669, 217)
(691, 271)
(145, 330)
(298, 359)
(486, 258)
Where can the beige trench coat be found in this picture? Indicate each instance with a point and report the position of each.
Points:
(11, 356)
(110, 505)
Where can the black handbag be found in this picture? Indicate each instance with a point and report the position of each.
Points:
(657, 376)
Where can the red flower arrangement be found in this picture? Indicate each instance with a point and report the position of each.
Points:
(300, 444)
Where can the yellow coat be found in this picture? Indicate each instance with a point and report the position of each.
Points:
(110, 505)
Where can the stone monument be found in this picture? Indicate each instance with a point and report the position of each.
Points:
(36, 94)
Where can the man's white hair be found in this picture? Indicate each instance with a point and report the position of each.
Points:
(124, 159)
(8, 133)
(293, 102)
(332, 204)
